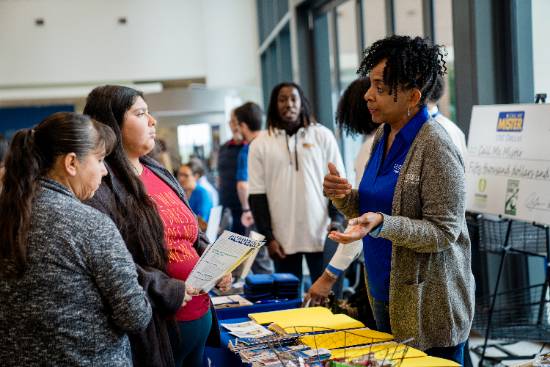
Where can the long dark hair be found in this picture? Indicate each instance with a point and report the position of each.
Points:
(32, 154)
(274, 120)
(138, 219)
(352, 114)
(3, 148)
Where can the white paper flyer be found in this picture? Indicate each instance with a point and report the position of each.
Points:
(220, 258)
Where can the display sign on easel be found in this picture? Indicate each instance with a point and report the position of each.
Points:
(508, 165)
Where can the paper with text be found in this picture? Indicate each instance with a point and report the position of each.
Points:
(220, 258)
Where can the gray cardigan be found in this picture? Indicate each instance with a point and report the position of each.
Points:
(80, 294)
(431, 281)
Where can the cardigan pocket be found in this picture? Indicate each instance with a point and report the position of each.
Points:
(405, 311)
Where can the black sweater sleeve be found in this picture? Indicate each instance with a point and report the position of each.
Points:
(260, 210)
(165, 294)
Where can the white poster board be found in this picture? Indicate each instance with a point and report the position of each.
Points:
(508, 165)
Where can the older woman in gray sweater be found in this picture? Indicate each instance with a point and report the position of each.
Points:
(68, 285)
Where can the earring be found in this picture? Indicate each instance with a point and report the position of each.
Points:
(408, 112)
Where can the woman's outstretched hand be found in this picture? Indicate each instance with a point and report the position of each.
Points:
(357, 228)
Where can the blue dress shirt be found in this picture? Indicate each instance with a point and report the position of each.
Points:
(242, 164)
(376, 195)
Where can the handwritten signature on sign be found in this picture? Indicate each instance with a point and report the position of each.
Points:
(535, 202)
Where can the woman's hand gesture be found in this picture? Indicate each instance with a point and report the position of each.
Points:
(357, 228)
(334, 186)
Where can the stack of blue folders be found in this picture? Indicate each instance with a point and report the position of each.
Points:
(286, 285)
(271, 286)
(258, 287)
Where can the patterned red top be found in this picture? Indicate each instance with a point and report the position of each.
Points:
(180, 232)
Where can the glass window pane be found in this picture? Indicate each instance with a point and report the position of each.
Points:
(443, 29)
(541, 51)
(348, 53)
(408, 17)
(374, 21)
(195, 139)
(348, 61)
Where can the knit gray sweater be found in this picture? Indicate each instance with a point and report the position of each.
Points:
(79, 295)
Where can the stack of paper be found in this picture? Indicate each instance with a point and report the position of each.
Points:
(304, 320)
(230, 301)
(383, 351)
(428, 362)
(248, 329)
(302, 313)
(348, 338)
(359, 342)
(407, 356)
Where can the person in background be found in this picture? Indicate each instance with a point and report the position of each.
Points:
(68, 285)
(199, 199)
(203, 180)
(249, 117)
(150, 208)
(457, 136)
(286, 165)
(410, 206)
(227, 183)
(353, 117)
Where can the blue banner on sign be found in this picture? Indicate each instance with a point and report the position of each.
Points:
(511, 121)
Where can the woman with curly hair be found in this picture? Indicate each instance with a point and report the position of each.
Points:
(409, 209)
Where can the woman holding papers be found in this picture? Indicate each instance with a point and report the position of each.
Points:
(410, 206)
(68, 285)
(150, 209)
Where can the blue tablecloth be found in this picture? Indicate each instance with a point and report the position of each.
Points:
(236, 312)
(223, 357)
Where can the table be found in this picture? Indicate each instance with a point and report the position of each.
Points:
(223, 357)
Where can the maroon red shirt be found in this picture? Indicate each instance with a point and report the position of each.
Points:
(180, 232)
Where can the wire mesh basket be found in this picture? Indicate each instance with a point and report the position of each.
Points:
(317, 346)
(521, 314)
(523, 236)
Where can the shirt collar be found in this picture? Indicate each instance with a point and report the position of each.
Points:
(434, 111)
(409, 131)
(302, 130)
(51, 184)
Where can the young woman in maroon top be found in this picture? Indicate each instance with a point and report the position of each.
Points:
(168, 237)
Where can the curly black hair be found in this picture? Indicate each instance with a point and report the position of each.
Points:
(438, 89)
(410, 63)
(352, 113)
